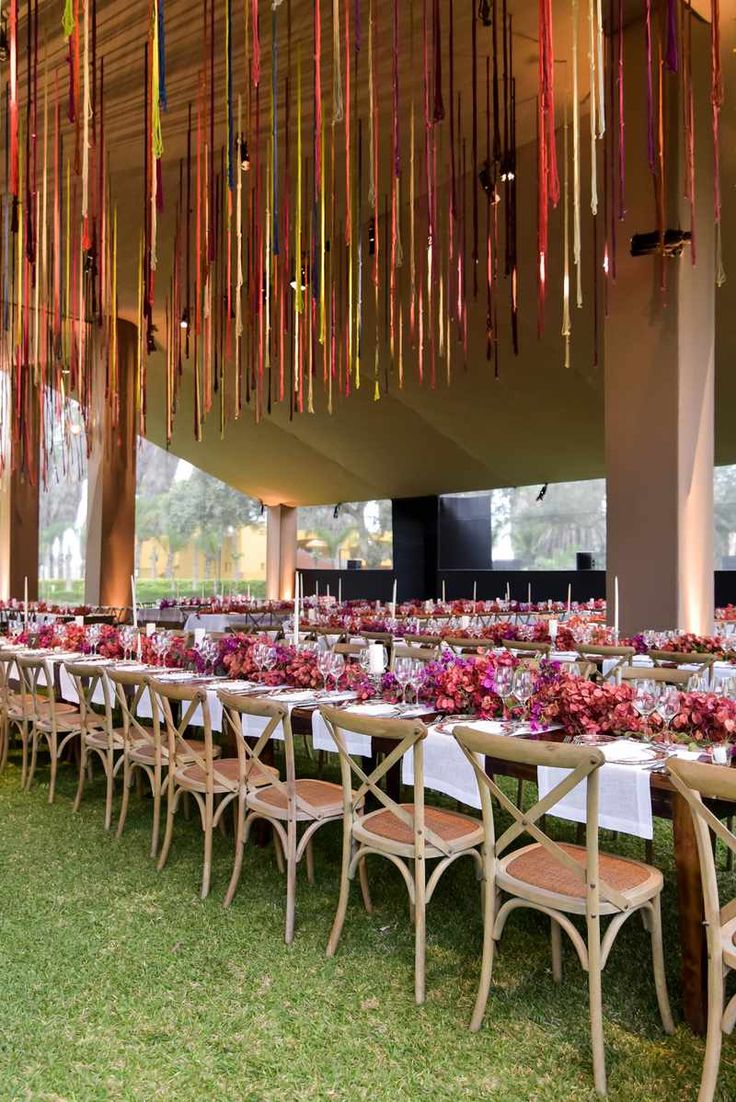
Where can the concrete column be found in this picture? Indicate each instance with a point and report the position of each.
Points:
(280, 551)
(659, 378)
(19, 489)
(111, 483)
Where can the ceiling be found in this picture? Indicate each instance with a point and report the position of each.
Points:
(537, 421)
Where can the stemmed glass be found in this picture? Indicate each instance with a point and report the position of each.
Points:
(644, 700)
(94, 632)
(668, 705)
(523, 686)
(268, 660)
(503, 679)
(324, 665)
(259, 656)
(416, 676)
(402, 672)
(161, 646)
(208, 651)
(127, 641)
(337, 667)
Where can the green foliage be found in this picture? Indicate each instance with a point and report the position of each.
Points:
(370, 545)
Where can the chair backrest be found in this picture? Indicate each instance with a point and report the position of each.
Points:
(87, 677)
(36, 675)
(236, 707)
(695, 780)
(406, 735)
(419, 654)
(129, 687)
(582, 764)
(463, 645)
(193, 701)
(619, 656)
(671, 676)
(384, 637)
(526, 646)
(348, 650)
(682, 658)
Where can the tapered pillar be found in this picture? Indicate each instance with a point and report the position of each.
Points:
(659, 377)
(19, 489)
(280, 551)
(110, 558)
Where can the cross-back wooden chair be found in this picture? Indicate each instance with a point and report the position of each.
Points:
(50, 720)
(145, 754)
(465, 645)
(667, 675)
(407, 834)
(98, 734)
(287, 805)
(17, 709)
(527, 648)
(695, 780)
(199, 770)
(417, 653)
(422, 640)
(620, 656)
(559, 880)
(384, 637)
(702, 662)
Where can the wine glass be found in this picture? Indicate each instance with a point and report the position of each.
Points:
(416, 676)
(503, 679)
(259, 655)
(94, 632)
(337, 667)
(523, 686)
(127, 640)
(668, 705)
(269, 658)
(644, 699)
(324, 665)
(161, 646)
(402, 672)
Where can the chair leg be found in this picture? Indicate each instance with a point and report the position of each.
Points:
(82, 773)
(342, 902)
(714, 1036)
(595, 996)
(156, 825)
(127, 781)
(24, 752)
(649, 851)
(32, 765)
(278, 852)
(729, 852)
(310, 862)
(660, 980)
(488, 890)
(365, 887)
(110, 787)
(291, 879)
(239, 847)
(53, 750)
(519, 793)
(4, 743)
(420, 936)
(168, 833)
(209, 802)
(556, 936)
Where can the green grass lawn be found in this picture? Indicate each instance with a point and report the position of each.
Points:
(117, 982)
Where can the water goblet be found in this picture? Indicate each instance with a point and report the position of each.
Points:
(668, 705)
(402, 672)
(337, 668)
(523, 686)
(644, 699)
(324, 665)
(503, 679)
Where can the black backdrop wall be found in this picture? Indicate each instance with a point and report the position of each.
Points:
(448, 539)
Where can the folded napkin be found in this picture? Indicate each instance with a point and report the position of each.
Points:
(625, 795)
(373, 709)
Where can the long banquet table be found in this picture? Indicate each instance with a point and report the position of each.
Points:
(666, 803)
